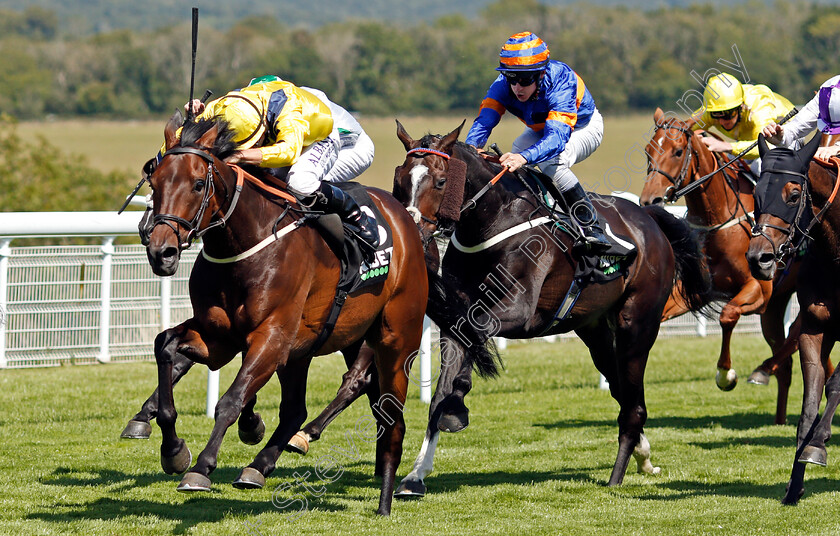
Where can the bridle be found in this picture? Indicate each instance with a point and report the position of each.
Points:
(420, 152)
(676, 182)
(176, 222)
(794, 239)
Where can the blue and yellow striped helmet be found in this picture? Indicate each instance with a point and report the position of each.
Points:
(523, 52)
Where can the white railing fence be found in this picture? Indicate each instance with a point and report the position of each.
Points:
(81, 304)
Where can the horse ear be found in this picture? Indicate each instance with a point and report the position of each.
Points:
(807, 153)
(657, 115)
(406, 140)
(762, 146)
(209, 137)
(171, 128)
(449, 140)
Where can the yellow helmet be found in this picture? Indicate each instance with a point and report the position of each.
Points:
(723, 92)
(243, 114)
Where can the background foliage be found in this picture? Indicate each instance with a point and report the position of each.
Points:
(630, 58)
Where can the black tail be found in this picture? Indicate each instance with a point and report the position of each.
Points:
(448, 311)
(691, 267)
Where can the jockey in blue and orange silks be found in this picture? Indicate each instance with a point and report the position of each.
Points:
(563, 126)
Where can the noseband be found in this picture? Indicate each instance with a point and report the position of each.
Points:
(175, 222)
(676, 182)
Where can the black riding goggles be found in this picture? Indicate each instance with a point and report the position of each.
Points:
(724, 114)
(523, 78)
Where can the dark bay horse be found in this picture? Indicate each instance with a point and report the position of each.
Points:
(263, 286)
(722, 209)
(510, 275)
(797, 199)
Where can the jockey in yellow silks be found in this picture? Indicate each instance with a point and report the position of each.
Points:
(738, 112)
(279, 125)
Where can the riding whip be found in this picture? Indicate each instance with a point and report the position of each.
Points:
(190, 114)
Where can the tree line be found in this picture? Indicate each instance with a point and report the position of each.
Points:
(629, 58)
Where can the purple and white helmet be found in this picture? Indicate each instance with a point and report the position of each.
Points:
(829, 117)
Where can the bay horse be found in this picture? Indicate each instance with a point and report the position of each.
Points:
(796, 198)
(263, 286)
(722, 209)
(510, 275)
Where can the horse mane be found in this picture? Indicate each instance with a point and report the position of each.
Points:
(223, 144)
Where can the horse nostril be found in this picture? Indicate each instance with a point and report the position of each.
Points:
(658, 201)
(169, 252)
(766, 258)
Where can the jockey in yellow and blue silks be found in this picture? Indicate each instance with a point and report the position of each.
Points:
(563, 126)
(279, 125)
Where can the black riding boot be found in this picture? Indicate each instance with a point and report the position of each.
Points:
(584, 214)
(339, 202)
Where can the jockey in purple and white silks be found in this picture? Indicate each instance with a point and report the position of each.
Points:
(822, 112)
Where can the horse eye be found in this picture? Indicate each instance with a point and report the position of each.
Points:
(793, 199)
(199, 185)
(678, 152)
(440, 183)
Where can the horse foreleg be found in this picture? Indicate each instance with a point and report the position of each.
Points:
(250, 424)
(258, 364)
(292, 415)
(138, 427)
(811, 348)
(355, 382)
(751, 299)
(175, 457)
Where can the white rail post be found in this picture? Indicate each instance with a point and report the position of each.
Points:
(212, 392)
(165, 303)
(105, 303)
(5, 253)
(701, 325)
(426, 362)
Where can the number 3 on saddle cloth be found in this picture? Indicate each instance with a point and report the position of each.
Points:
(591, 268)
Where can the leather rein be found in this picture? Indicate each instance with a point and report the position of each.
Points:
(176, 222)
(674, 192)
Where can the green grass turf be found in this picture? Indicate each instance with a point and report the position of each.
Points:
(125, 146)
(534, 460)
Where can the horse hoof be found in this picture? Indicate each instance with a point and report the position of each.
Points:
(792, 499)
(815, 455)
(410, 489)
(249, 478)
(759, 377)
(454, 422)
(726, 379)
(255, 434)
(178, 463)
(299, 443)
(194, 482)
(136, 430)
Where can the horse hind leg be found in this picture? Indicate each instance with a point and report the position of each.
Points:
(413, 486)
(641, 453)
(356, 381)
